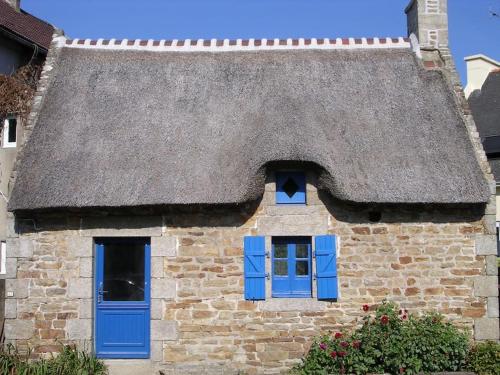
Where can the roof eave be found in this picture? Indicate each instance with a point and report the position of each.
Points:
(22, 40)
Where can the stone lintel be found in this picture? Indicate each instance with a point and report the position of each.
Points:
(121, 226)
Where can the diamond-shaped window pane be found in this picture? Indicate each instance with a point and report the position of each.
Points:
(290, 187)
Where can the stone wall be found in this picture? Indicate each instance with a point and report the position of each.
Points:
(421, 257)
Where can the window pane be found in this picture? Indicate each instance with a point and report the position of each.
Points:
(290, 187)
(281, 268)
(302, 251)
(12, 130)
(302, 268)
(123, 271)
(281, 251)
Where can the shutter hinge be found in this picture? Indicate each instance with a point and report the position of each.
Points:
(315, 276)
(268, 276)
(268, 254)
(314, 254)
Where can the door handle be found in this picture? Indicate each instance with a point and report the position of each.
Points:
(100, 293)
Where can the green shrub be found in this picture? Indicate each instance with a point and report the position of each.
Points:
(390, 341)
(69, 362)
(484, 358)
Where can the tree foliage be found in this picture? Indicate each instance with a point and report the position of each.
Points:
(17, 90)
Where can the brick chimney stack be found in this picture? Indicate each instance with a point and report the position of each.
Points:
(428, 20)
(16, 4)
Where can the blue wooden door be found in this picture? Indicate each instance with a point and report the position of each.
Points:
(122, 295)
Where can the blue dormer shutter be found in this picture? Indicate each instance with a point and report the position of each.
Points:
(326, 267)
(255, 268)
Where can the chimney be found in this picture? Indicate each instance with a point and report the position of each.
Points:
(479, 68)
(428, 20)
(16, 4)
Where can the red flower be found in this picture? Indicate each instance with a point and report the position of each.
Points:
(384, 319)
(404, 317)
(338, 335)
(344, 344)
(356, 344)
(333, 355)
(366, 308)
(401, 370)
(342, 354)
(322, 346)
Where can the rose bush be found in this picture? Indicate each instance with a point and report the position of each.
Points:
(389, 341)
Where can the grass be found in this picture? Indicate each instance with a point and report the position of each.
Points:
(70, 361)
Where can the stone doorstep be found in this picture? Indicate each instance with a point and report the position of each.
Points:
(129, 366)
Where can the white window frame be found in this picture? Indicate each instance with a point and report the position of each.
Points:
(5, 133)
(3, 258)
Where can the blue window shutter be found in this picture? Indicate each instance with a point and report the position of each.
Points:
(255, 268)
(326, 267)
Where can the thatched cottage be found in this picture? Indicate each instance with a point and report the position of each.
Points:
(209, 206)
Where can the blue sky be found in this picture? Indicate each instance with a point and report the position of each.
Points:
(473, 30)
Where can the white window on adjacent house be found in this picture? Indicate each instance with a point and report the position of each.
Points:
(9, 134)
(3, 257)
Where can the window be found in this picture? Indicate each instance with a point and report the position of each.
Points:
(9, 136)
(291, 267)
(290, 188)
(124, 276)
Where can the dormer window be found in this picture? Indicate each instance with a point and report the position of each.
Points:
(9, 134)
(290, 188)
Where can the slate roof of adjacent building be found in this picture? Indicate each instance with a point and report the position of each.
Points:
(124, 127)
(25, 25)
(485, 106)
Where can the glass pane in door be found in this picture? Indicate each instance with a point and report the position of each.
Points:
(123, 271)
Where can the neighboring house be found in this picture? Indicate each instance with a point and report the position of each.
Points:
(483, 93)
(207, 207)
(24, 40)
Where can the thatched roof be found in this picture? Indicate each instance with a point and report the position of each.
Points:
(133, 128)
